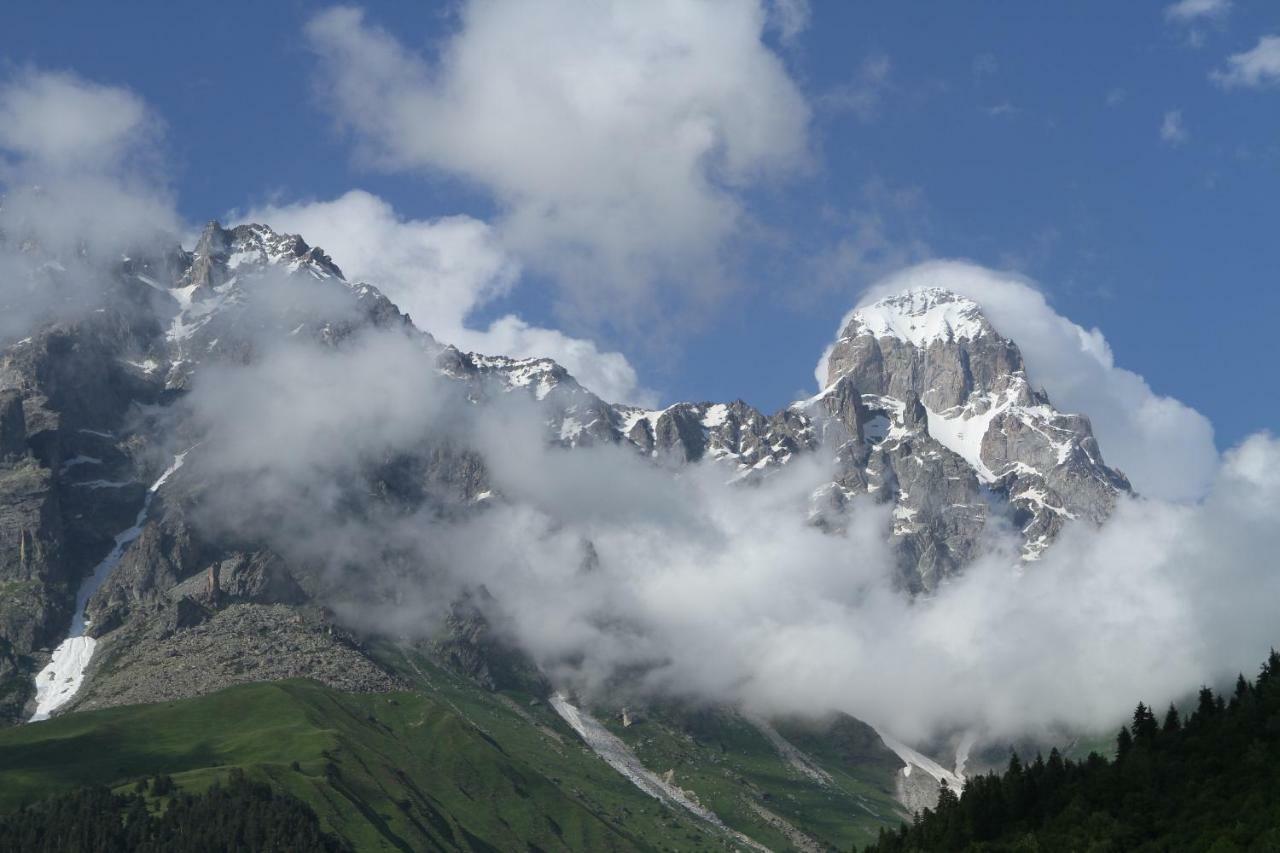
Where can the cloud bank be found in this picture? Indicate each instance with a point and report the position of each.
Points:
(706, 591)
(80, 171)
(616, 138)
(440, 272)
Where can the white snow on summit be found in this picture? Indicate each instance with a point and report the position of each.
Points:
(922, 316)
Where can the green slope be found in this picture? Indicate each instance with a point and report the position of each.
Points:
(401, 771)
(450, 765)
(726, 762)
(736, 771)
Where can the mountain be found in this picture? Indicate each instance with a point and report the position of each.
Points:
(118, 518)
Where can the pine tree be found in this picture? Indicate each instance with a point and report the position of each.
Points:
(1124, 743)
(1201, 782)
(1145, 727)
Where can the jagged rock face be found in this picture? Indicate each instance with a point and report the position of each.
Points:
(67, 479)
(13, 427)
(82, 423)
(979, 405)
(245, 285)
(927, 408)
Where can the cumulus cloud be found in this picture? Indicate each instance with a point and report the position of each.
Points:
(79, 167)
(277, 429)
(440, 271)
(1187, 11)
(1172, 128)
(1253, 68)
(615, 137)
(79, 163)
(705, 590)
(64, 121)
(1138, 430)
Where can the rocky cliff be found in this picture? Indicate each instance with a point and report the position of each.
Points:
(104, 476)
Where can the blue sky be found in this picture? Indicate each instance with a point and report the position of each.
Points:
(1086, 145)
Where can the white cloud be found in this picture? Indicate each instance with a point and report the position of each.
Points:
(79, 183)
(1185, 11)
(79, 163)
(437, 270)
(1252, 68)
(708, 590)
(728, 594)
(614, 136)
(1138, 430)
(440, 271)
(686, 563)
(60, 120)
(1172, 128)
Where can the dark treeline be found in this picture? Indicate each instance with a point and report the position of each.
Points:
(1204, 782)
(241, 816)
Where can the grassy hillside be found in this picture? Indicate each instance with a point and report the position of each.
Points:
(397, 771)
(724, 761)
(452, 766)
(843, 797)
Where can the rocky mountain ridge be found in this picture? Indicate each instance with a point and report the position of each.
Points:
(926, 408)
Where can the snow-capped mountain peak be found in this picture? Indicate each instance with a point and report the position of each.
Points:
(922, 316)
(254, 245)
(239, 284)
(936, 347)
(926, 405)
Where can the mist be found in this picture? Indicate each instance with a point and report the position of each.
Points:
(81, 185)
(624, 581)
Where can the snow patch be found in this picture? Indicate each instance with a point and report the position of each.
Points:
(715, 415)
(961, 430)
(104, 484)
(570, 428)
(615, 752)
(59, 681)
(80, 460)
(911, 758)
(149, 365)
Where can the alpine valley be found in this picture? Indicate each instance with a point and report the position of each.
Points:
(183, 596)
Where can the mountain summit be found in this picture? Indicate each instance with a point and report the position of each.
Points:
(926, 408)
(934, 349)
